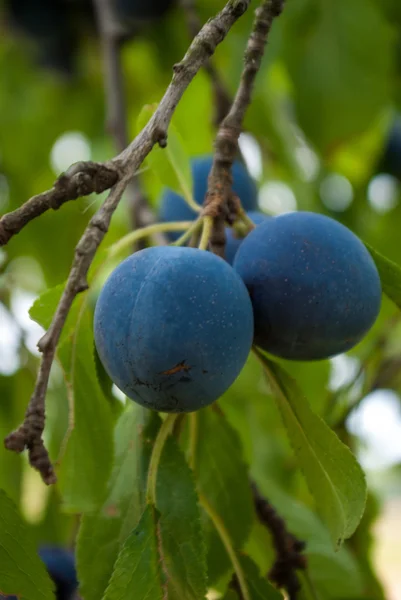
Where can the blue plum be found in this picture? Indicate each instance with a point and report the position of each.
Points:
(174, 208)
(233, 242)
(173, 327)
(314, 287)
(60, 564)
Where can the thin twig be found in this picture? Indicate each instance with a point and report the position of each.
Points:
(121, 168)
(220, 202)
(164, 432)
(222, 99)
(289, 557)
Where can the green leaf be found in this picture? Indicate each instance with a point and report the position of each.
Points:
(222, 478)
(21, 571)
(259, 587)
(183, 547)
(341, 83)
(136, 572)
(390, 275)
(145, 115)
(334, 477)
(42, 310)
(101, 535)
(171, 164)
(87, 462)
(90, 442)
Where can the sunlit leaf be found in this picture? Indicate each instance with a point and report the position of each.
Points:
(136, 571)
(333, 475)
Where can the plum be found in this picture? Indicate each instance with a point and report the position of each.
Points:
(173, 327)
(314, 287)
(60, 564)
(174, 208)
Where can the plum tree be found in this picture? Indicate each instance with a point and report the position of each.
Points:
(60, 564)
(173, 327)
(174, 208)
(314, 287)
(142, 10)
(233, 241)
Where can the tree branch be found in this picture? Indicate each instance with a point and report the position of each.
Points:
(220, 202)
(289, 557)
(222, 99)
(80, 179)
(155, 132)
(123, 167)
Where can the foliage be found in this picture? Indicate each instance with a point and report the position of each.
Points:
(324, 101)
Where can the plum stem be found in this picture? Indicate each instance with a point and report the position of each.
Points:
(193, 438)
(164, 431)
(227, 542)
(132, 237)
(206, 233)
(245, 219)
(195, 227)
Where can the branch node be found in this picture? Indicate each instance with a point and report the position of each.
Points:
(28, 436)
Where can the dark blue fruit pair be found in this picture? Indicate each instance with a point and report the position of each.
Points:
(174, 208)
(173, 327)
(314, 287)
(60, 565)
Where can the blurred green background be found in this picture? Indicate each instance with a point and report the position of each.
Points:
(322, 134)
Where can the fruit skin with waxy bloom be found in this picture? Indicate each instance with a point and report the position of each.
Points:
(314, 287)
(173, 327)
